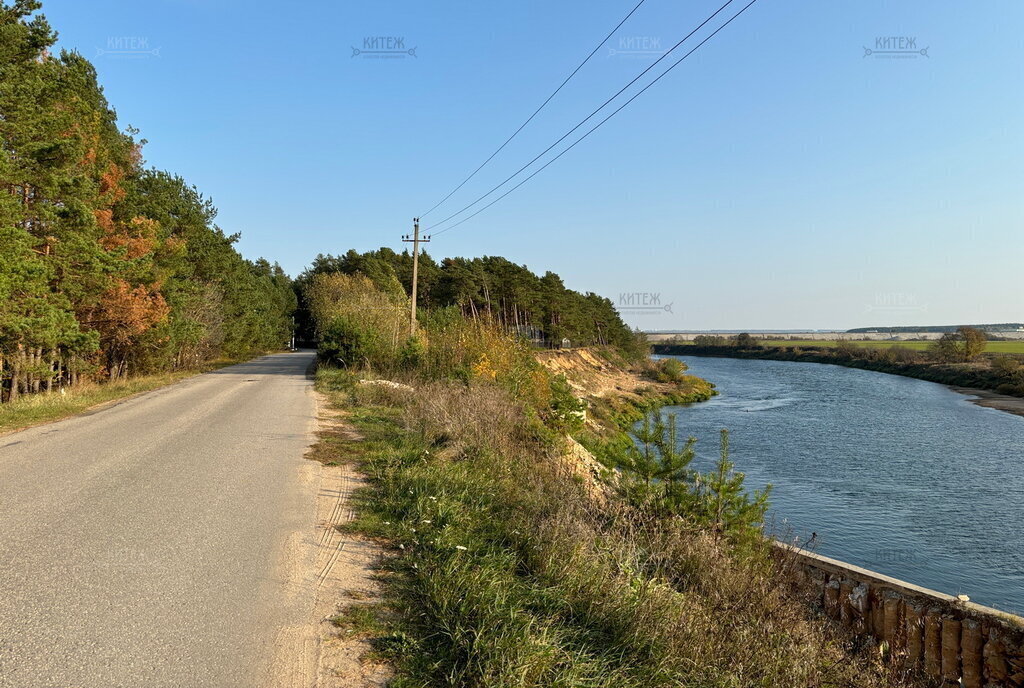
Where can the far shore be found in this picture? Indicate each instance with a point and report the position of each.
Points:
(990, 399)
(982, 397)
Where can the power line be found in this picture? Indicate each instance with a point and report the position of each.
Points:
(521, 126)
(596, 126)
(584, 120)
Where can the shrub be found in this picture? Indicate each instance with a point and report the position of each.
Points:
(709, 340)
(345, 343)
(358, 324)
(468, 349)
(412, 353)
(746, 341)
(1005, 365)
(898, 353)
(844, 348)
(666, 370)
(567, 412)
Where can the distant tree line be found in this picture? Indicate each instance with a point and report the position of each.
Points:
(956, 358)
(108, 268)
(742, 341)
(535, 307)
(962, 345)
(995, 327)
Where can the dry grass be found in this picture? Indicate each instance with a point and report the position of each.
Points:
(33, 409)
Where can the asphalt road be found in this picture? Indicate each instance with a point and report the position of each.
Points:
(142, 544)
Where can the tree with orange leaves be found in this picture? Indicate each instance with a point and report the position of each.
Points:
(106, 267)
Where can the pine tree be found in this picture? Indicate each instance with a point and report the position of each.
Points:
(727, 506)
(107, 266)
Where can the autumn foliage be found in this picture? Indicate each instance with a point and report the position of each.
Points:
(108, 268)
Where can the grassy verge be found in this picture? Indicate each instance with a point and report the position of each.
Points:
(33, 409)
(504, 574)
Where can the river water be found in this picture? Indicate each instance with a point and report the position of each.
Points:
(901, 476)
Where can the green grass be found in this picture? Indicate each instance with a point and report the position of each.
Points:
(360, 620)
(33, 409)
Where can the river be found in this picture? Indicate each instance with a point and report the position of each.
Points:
(898, 475)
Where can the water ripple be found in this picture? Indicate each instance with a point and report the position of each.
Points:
(898, 475)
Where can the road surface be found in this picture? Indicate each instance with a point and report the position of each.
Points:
(144, 544)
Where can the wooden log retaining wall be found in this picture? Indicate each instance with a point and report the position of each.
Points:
(949, 640)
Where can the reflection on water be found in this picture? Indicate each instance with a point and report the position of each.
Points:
(898, 475)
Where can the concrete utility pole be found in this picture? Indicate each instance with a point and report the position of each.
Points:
(416, 241)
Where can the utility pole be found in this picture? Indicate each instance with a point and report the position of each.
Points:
(416, 241)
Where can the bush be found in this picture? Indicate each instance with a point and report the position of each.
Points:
(900, 354)
(567, 412)
(666, 370)
(477, 349)
(412, 353)
(847, 349)
(345, 343)
(358, 324)
(1005, 365)
(746, 341)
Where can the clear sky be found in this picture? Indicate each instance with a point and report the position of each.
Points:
(779, 178)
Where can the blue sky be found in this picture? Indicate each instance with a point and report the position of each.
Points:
(778, 178)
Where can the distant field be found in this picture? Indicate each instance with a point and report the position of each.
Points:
(1015, 347)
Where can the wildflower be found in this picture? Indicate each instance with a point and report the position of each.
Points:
(461, 547)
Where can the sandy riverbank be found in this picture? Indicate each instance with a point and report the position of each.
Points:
(990, 399)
